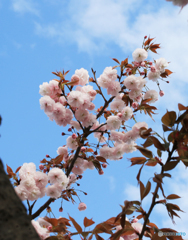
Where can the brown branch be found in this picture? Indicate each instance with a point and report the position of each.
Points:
(155, 193)
(42, 208)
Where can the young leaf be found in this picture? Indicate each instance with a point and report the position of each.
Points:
(145, 152)
(169, 119)
(172, 196)
(181, 107)
(157, 144)
(170, 165)
(88, 222)
(76, 225)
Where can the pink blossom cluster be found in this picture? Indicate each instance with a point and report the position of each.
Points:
(155, 71)
(124, 142)
(41, 228)
(74, 108)
(79, 100)
(33, 184)
(108, 80)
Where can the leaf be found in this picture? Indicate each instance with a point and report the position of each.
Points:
(166, 73)
(53, 221)
(98, 237)
(169, 119)
(116, 60)
(147, 42)
(145, 152)
(137, 160)
(89, 150)
(159, 153)
(101, 159)
(18, 169)
(142, 188)
(151, 162)
(170, 165)
(147, 143)
(76, 225)
(88, 222)
(181, 107)
(9, 170)
(153, 47)
(152, 225)
(147, 189)
(139, 172)
(58, 159)
(157, 144)
(172, 196)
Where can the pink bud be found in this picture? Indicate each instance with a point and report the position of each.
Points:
(62, 133)
(145, 37)
(49, 228)
(45, 170)
(161, 93)
(83, 149)
(142, 64)
(137, 64)
(60, 209)
(70, 129)
(74, 136)
(47, 156)
(82, 206)
(150, 63)
(119, 115)
(101, 172)
(104, 165)
(153, 69)
(135, 220)
(135, 105)
(41, 167)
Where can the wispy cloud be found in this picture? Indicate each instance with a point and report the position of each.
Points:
(112, 184)
(25, 6)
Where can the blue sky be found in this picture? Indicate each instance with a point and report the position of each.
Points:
(38, 37)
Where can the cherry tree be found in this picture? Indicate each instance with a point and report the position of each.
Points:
(124, 93)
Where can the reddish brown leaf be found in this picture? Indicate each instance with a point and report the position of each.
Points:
(172, 196)
(142, 188)
(98, 237)
(152, 225)
(157, 144)
(147, 42)
(170, 165)
(169, 119)
(58, 159)
(139, 172)
(116, 60)
(9, 170)
(145, 152)
(43, 161)
(101, 159)
(181, 107)
(89, 150)
(53, 221)
(76, 225)
(88, 222)
(18, 169)
(152, 162)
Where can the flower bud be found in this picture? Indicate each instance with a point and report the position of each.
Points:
(60, 209)
(161, 93)
(41, 167)
(82, 206)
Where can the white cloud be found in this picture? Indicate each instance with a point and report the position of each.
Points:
(24, 6)
(111, 180)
